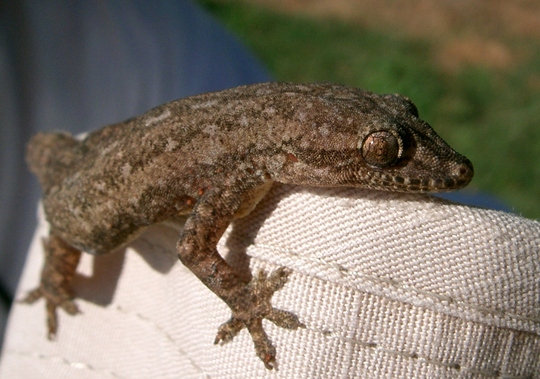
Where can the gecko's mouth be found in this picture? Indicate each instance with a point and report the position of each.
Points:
(458, 177)
(455, 178)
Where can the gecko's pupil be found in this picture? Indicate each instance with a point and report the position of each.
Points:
(380, 149)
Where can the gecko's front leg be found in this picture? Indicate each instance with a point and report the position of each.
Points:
(250, 303)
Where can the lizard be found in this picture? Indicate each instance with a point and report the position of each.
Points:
(211, 158)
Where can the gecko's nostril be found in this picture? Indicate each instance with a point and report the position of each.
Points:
(464, 172)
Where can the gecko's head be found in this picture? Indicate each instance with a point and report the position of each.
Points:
(350, 137)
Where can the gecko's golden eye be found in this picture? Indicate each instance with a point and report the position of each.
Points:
(380, 149)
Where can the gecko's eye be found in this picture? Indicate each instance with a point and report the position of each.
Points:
(380, 149)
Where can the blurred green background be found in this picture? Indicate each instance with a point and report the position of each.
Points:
(472, 68)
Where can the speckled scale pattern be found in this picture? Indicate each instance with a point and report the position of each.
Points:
(213, 157)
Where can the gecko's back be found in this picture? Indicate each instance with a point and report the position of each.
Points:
(118, 179)
(54, 156)
(99, 191)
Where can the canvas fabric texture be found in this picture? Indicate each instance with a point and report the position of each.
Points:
(388, 285)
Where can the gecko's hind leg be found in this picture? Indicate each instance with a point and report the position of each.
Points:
(57, 275)
(261, 288)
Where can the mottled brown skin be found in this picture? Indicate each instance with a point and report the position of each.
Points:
(213, 157)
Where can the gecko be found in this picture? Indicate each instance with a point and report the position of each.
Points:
(212, 158)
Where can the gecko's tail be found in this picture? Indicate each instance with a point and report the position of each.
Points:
(49, 156)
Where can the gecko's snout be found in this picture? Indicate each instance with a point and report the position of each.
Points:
(463, 173)
(458, 177)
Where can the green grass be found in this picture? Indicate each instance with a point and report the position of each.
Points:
(490, 116)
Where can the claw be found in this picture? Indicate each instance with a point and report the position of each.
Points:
(52, 320)
(279, 277)
(227, 331)
(263, 346)
(269, 362)
(32, 296)
(70, 307)
(285, 319)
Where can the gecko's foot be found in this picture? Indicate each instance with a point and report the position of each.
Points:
(52, 302)
(258, 307)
